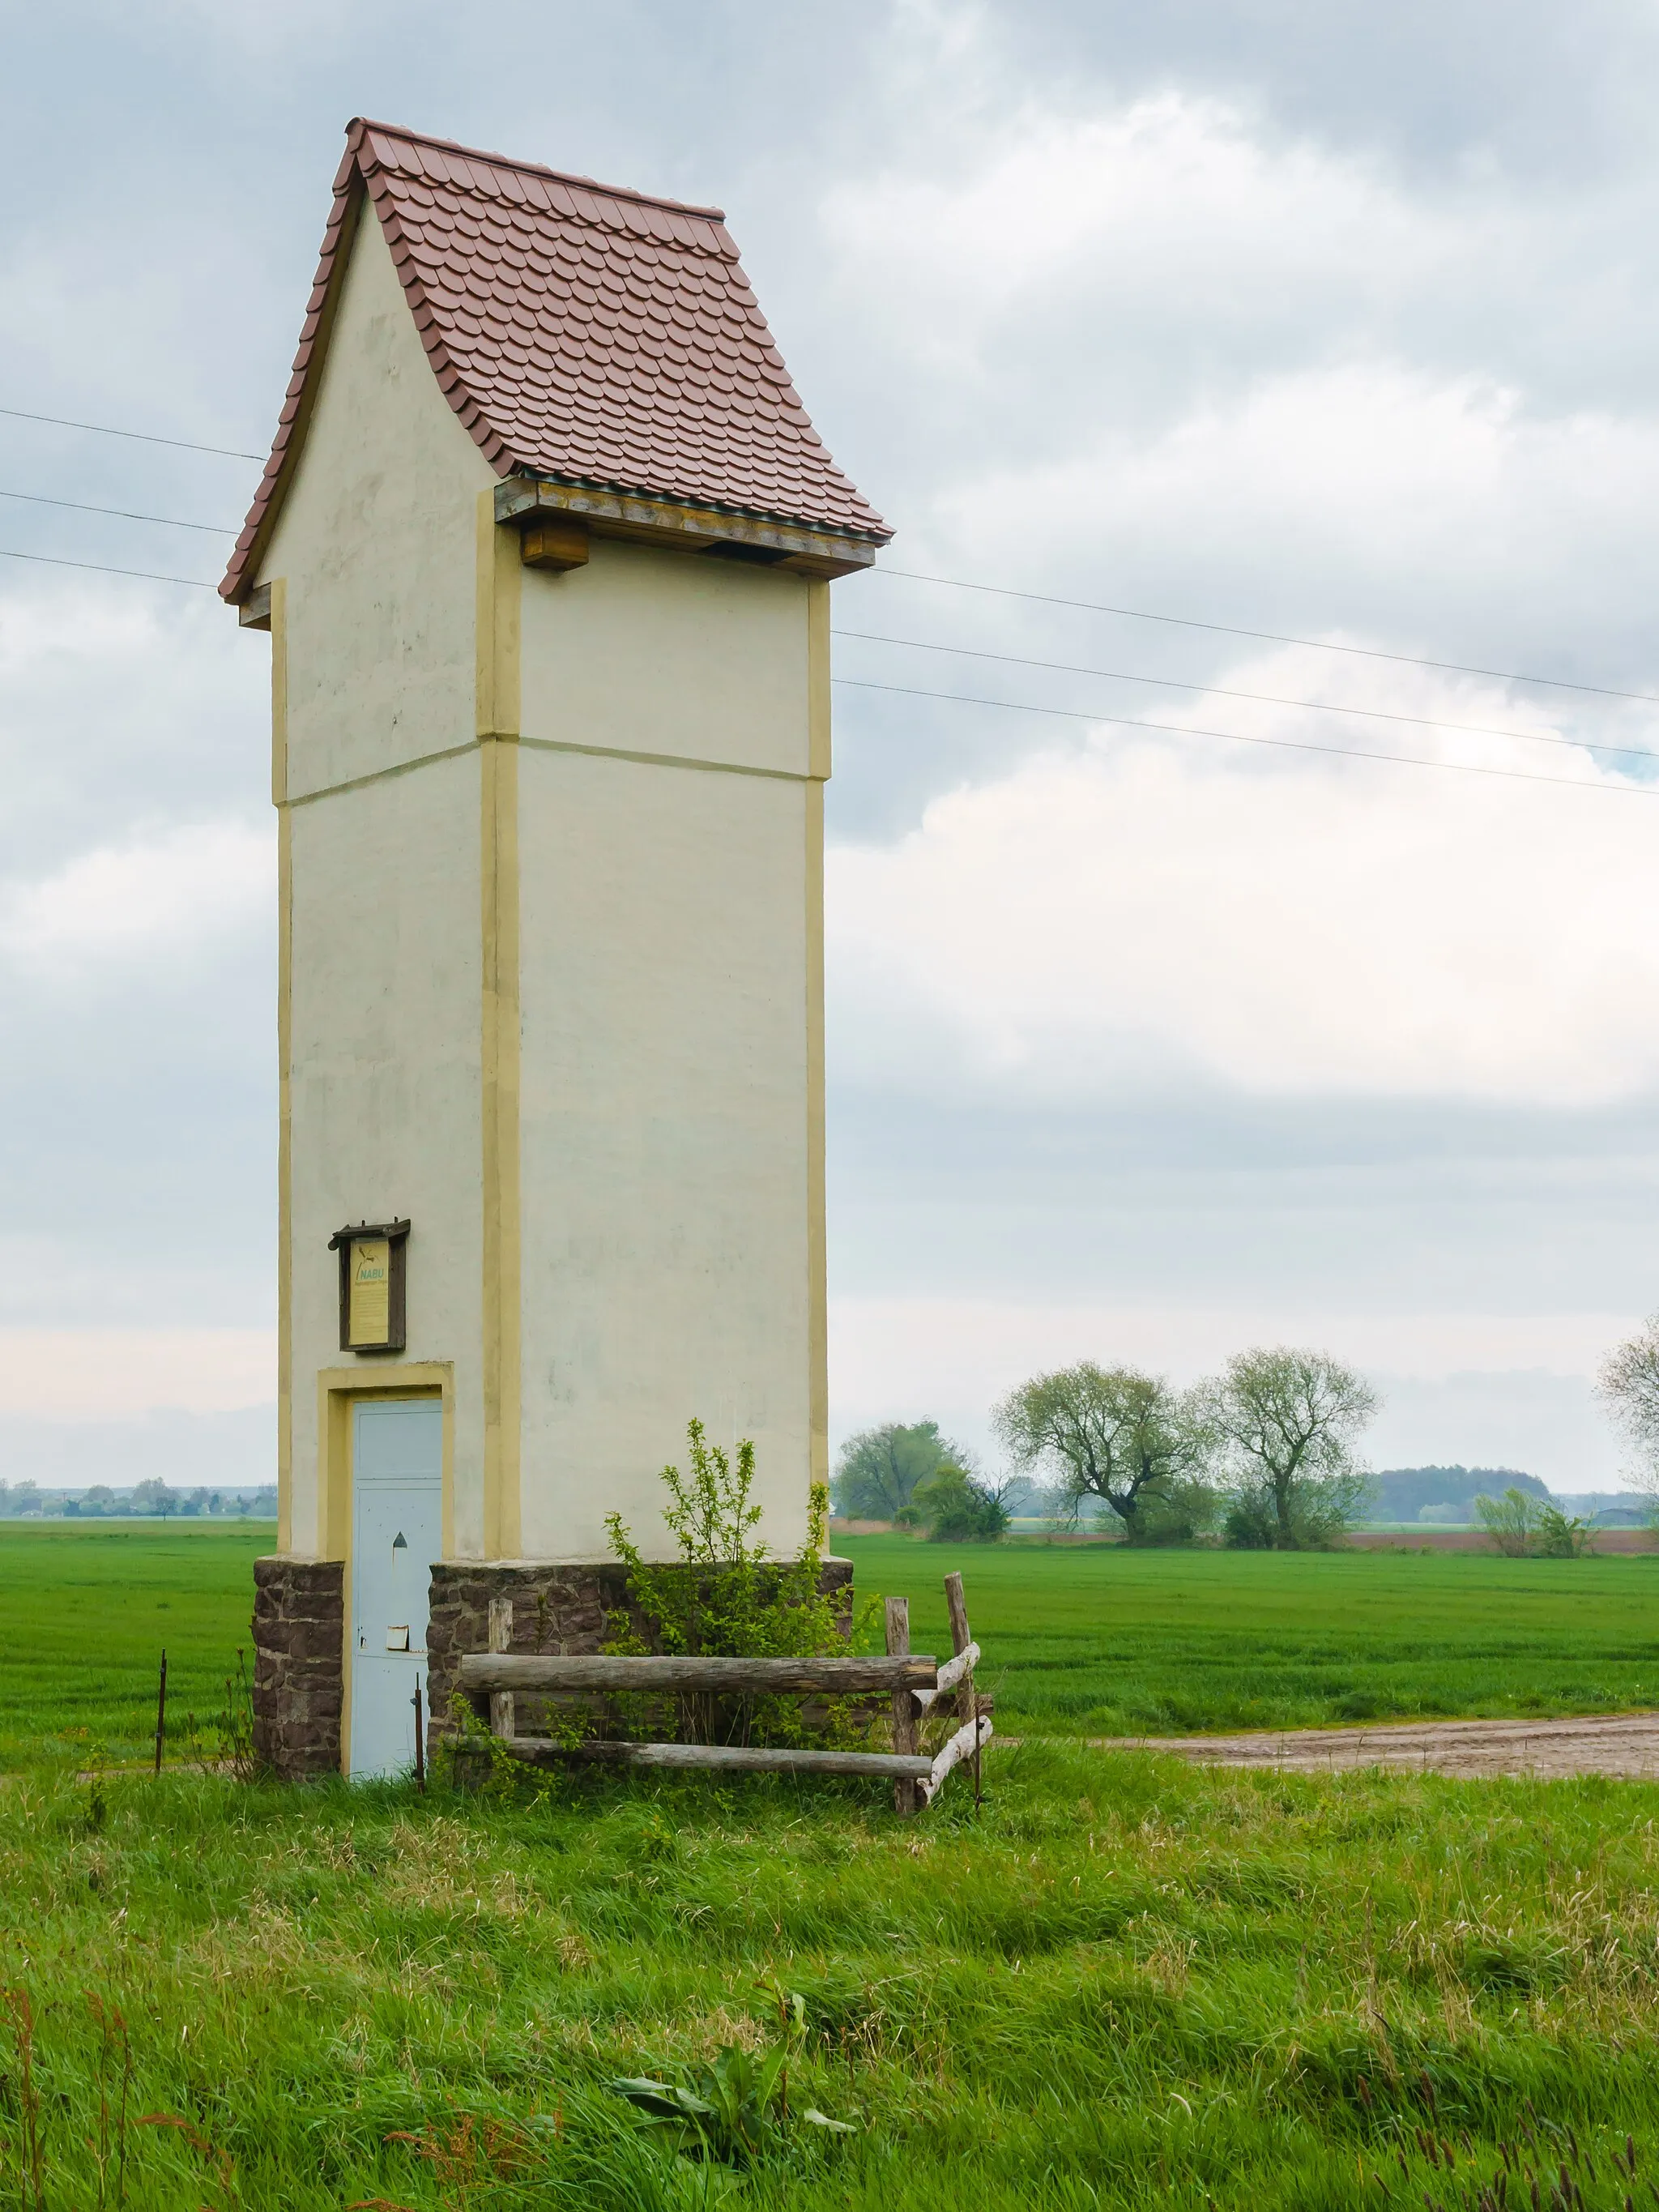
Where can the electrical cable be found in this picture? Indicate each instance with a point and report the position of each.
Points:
(1261, 698)
(125, 514)
(143, 437)
(912, 576)
(102, 569)
(1269, 636)
(1236, 738)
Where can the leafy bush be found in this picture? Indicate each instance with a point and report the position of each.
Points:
(1183, 1511)
(728, 1595)
(954, 1507)
(1510, 1520)
(1525, 1528)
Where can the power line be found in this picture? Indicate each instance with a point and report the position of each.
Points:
(81, 507)
(1236, 738)
(143, 437)
(1270, 636)
(101, 568)
(1261, 698)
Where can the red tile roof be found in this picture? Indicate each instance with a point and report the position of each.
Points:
(580, 332)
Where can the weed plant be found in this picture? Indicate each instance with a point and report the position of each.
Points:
(1128, 1983)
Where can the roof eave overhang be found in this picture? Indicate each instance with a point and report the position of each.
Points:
(805, 548)
(350, 192)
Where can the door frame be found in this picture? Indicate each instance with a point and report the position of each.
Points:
(338, 1391)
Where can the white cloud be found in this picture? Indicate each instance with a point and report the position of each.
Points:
(1284, 923)
(1173, 201)
(178, 890)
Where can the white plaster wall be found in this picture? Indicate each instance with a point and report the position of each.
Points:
(665, 652)
(664, 1136)
(386, 1089)
(376, 538)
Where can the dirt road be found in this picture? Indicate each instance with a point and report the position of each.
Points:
(1624, 1744)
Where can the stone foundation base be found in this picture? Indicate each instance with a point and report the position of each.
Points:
(299, 1656)
(299, 1640)
(558, 1610)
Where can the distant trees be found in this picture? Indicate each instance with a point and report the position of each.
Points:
(957, 1507)
(1120, 1436)
(879, 1469)
(1267, 1450)
(1285, 1423)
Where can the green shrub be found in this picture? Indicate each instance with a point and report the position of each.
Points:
(955, 1509)
(728, 1595)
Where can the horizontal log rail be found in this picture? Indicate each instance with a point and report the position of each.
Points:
(733, 1758)
(486, 1671)
(915, 1682)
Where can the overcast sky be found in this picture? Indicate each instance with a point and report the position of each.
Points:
(1307, 318)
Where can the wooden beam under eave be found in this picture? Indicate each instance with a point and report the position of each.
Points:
(254, 611)
(533, 503)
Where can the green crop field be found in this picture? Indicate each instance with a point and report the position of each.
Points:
(1099, 1640)
(1078, 1639)
(1125, 1983)
(86, 1613)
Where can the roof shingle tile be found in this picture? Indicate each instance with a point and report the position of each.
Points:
(580, 332)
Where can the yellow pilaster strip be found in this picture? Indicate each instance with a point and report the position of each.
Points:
(818, 1288)
(818, 697)
(817, 679)
(499, 574)
(284, 1071)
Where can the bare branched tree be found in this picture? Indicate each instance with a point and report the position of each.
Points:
(1288, 1420)
(1107, 1432)
(1628, 1387)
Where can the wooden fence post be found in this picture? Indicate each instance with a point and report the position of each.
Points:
(503, 1719)
(161, 1712)
(967, 1696)
(907, 1798)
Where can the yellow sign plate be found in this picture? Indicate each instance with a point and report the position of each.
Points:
(369, 1312)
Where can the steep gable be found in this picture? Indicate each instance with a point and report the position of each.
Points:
(587, 335)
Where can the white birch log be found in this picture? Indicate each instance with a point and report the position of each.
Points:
(949, 1675)
(963, 1744)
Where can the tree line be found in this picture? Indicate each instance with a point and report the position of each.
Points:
(1265, 1455)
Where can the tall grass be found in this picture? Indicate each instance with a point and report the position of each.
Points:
(1129, 1983)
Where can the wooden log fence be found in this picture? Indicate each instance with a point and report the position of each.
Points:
(484, 1671)
(915, 1683)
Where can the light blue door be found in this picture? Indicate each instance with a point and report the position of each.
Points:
(397, 1482)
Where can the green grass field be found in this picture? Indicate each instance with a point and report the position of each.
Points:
(1099, 1640)
(1127, 1983)
(1079, 1640)
(85, 1613)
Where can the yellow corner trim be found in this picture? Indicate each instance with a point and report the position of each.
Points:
(818, 693)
